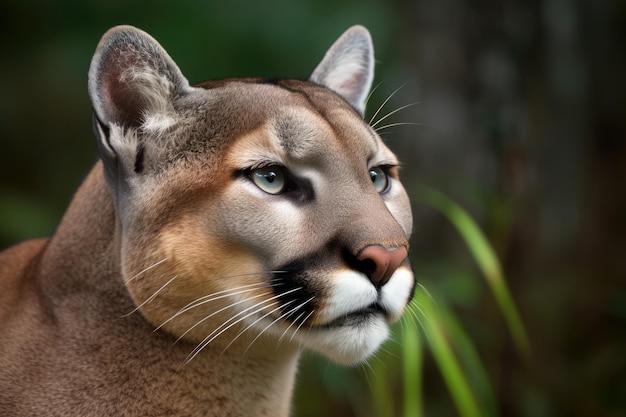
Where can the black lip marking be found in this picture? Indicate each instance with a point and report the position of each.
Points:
(356, 317)
(296, 299)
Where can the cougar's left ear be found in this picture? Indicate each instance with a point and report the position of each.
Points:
(348, 67)
(132, 85)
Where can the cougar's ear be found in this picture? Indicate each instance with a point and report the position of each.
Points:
(132, 83)
(348, 67)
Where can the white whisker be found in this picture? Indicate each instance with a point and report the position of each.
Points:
(385, 102)
(367, 375)
(393, 112)
(222, 294)
(297, 318)
(289, 327)
(152, 297)
(145, 270)
(212, 297)
(221, 329)
(372, 92)
(397, 124)
(222, 309)
(376, 357)
(388, 352)
(419, 284)
(255, 322)
(300, 325)
(415, 318)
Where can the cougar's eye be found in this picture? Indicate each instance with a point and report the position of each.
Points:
(270, 179)
(379, 179)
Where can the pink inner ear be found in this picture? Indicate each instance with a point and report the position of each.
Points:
(352, 86)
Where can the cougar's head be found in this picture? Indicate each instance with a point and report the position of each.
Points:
(253, 211)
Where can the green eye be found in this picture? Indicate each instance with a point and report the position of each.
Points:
(270, 179)
(379, 179)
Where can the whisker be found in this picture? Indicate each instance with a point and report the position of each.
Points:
(255, 322)
(390, 353)
(416, 319)
(385, 102)
(145, 270)
(281, 317)
(393, 112)
(212, 297)
(427, 292)
(300, 325)
(376, 357)
(372, 92)
(397, 124)
(222, 309)
(367, 374)
(297, 318)
(152, 297)
(224, 293)
(221, 329)
(289, 327)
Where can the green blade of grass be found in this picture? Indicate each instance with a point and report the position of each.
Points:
(470, 359)
(413, 361)
(442, 351)
(485, 257)
(381, 396)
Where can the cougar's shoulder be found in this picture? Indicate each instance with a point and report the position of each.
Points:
(18, 266)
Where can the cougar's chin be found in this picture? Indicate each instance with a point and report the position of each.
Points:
(349, 341)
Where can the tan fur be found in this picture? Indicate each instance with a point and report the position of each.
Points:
(174, 285)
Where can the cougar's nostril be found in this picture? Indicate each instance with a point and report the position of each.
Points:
(383, 262)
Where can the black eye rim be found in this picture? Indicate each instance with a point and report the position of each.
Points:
(299, 190)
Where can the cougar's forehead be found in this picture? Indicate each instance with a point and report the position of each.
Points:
(303, 125)
(296, 136)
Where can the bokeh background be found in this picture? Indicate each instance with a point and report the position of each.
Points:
(522, 107)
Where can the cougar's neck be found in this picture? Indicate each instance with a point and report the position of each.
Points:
(83, 253)
(81, 281)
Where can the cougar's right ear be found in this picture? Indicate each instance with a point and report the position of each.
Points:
(132, 84)
(348, 67)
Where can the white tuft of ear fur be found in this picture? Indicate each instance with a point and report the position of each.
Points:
(133, 81)
(348, 67)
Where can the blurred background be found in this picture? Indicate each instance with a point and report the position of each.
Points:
(522, 107)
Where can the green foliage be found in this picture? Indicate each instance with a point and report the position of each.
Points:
(486, 259)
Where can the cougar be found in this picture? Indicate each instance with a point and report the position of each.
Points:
(226, 227)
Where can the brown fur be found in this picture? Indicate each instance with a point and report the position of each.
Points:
(138, 304)
(76, 351)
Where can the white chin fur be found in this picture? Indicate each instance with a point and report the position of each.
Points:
(348, 345)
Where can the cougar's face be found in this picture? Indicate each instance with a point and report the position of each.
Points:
(297, 233)
(253, 213)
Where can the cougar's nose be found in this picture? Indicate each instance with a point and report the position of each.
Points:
(381, 262)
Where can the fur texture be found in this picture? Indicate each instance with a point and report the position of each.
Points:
(228, 226)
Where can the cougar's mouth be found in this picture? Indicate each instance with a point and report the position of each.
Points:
(356, 317)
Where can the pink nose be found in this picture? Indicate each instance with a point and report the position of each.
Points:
(385, 262)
